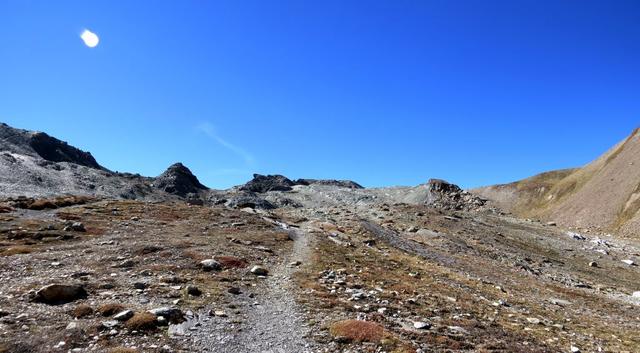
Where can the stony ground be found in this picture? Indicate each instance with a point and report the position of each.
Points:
(357, 276)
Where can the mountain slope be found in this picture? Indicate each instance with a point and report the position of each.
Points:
(602, 195)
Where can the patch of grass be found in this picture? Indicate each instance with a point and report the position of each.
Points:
(143, 321)
(110, 309)
(358, 331)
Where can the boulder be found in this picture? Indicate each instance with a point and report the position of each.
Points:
(55, 294)
(264, 183)
(210, 265)
(259, 271)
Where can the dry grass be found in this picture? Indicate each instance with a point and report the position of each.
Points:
(231, 262)
(15, 250)
(110, 309)
(143, 321)
(81, 310)
(358, 331)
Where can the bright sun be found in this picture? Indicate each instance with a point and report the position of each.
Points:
(90, 39)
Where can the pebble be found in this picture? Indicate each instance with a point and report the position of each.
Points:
(629, 262)
(421, 325)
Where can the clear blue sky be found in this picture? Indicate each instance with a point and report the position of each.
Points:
(381, 92)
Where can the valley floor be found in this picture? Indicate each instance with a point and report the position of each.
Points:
(341, 278)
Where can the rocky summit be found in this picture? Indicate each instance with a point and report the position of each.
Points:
(93, 260)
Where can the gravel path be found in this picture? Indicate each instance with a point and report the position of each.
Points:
(273, 321)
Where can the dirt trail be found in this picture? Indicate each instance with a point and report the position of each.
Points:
(273, 321)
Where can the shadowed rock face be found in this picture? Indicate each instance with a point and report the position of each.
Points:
(264, 183)
(39, 144)
(55, 150)
(179, 180)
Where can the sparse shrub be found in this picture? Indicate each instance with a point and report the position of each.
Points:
(110, 309)
(143, 321)
(357, 330)
(81, 310)
(231, 262)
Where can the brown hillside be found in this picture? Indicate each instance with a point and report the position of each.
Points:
(604, 195)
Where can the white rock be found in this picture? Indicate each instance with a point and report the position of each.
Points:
(421, 325)
(629, 262)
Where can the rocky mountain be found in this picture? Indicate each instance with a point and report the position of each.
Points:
(97, 261)
(39, 144)
(604, 195)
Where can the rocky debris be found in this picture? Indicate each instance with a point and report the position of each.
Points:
(210, 265)
(249, 200)
(259, 271)
(178, 180)
(330, 182)
(265, 183)
(55, 294)
(74, 226)
(448, 196)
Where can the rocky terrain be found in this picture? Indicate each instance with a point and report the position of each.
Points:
(98, 261)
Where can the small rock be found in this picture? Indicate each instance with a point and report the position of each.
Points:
(234, 290)
(259, 271)
(193, 290)
(78, 227)
(552, 224)
(593, 264)
(210, 265)
(575, 349)
(123, 315)
(636, 294)
(219, 313)
(110, 324)
(533, 320)
(629, 262)
(172, 314)
(369, 242)
(73, 325)
(421, 325)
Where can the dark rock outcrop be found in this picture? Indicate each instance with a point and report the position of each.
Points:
(178, 180)
(339, 183)
(264, 183)
(39, 144)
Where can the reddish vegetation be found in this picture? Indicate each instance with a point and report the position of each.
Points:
(231, 261)
(142, 322)
(358, 330)
(110, 309)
